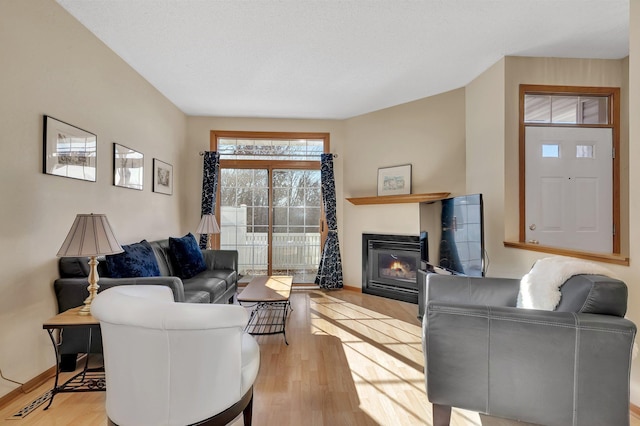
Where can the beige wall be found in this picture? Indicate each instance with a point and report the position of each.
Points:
(52, 65)
(430, 135)
(486, 158)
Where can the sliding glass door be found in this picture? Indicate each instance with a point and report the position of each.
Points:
(295, 233)
(244, 217)
(272, 217)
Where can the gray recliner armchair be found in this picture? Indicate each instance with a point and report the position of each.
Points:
(570, 366)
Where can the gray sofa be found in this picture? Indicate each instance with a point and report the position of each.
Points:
(564, 367)
(217, 284)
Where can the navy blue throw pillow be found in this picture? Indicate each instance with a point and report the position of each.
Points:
(137, 260)
(187, 255)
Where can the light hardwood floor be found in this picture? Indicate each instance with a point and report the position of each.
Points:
(352, 359)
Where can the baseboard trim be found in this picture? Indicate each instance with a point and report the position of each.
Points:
(28, 386)
(34, 383)
(635, 410)
(350, 288)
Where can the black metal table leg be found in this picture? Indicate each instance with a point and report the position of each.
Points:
(79, 382)
(285, 311)
(55, 384)
(86, 361)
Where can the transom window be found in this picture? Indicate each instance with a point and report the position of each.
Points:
(566, 109)
(270, 149)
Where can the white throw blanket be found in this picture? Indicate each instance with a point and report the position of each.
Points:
(540, 288)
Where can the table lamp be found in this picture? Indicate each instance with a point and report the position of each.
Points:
(208, 225)
(91, 236)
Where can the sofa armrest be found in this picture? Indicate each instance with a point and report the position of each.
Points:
(508, 362)
(221, 259)
(71, 292)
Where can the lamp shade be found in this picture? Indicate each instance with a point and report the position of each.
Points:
(90, 235)
(208, 225)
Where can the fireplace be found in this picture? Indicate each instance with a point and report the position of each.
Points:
(390, 266)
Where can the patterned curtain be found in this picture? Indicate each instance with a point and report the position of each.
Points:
(330, 269)
(209, 187)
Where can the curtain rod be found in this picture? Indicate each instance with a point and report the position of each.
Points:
(201, 153)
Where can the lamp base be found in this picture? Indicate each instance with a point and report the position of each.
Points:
(93, 286)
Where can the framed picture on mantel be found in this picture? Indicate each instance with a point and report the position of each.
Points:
(394, 180)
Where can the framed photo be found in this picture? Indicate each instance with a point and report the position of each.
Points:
(68, 150)
(394, 180)
(128, 167)
(162, 177)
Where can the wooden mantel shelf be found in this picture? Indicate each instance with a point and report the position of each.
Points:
(397, 199)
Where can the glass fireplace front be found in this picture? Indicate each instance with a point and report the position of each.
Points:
(395, 267)
(390, 266)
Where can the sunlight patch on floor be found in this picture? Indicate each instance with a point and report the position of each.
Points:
(384, 356)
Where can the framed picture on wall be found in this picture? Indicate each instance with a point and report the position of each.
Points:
(128, 167)
(68, 150)
(394, 180)
(162, 177)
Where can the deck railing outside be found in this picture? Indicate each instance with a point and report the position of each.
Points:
(293, 254)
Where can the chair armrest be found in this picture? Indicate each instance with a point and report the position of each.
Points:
(71, 292)
(472, 290)
(221, 259)
(122, 308)
(497, 360)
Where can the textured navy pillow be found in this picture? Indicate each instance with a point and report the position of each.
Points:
(187, 255)
(137, 260)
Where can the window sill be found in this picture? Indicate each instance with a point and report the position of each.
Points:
(616, 259)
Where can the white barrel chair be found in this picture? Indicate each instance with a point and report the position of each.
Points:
(170, 363)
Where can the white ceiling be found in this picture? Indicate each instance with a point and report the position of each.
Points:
(338, 58)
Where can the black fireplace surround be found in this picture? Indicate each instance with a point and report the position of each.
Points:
(390, 266)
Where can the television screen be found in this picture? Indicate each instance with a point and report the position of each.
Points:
(455, 234)
(424, 247)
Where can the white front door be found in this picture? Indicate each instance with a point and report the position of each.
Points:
(568, 180)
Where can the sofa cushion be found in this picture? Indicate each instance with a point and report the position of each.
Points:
(214, 286)
(165, 262)
(78, 267)
(226, 275)
(73, 267)
(137, 260)
(197, 297)
(187, 256)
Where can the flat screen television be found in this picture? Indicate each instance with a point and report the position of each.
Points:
(454, 231)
